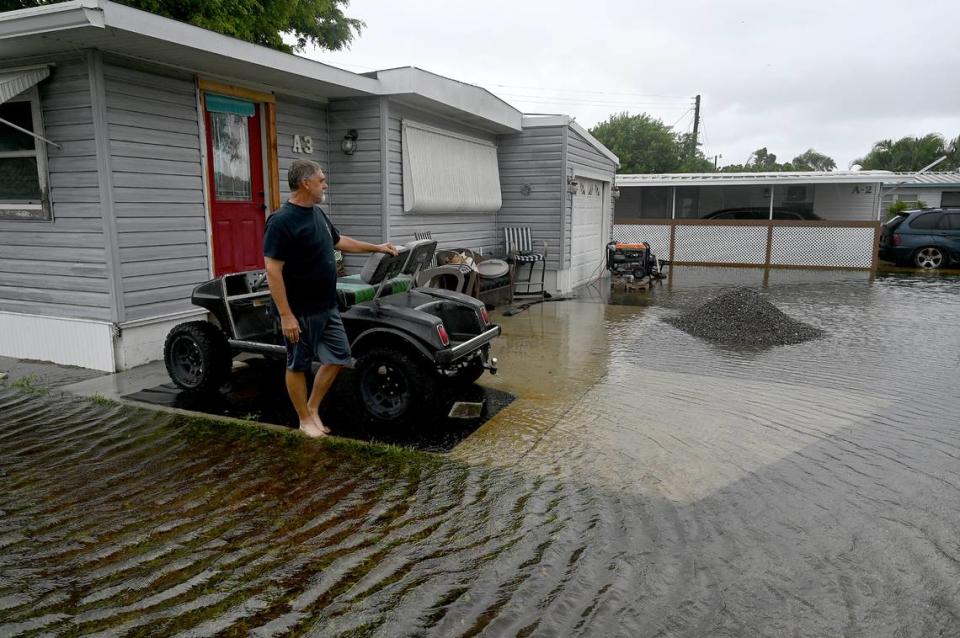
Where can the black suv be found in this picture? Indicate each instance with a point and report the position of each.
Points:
(928, 238)
(762, 212)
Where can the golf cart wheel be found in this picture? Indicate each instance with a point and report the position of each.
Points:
(197, 356)
(392, 386)
(930, 258)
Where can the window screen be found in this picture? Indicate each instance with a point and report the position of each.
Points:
(22, 161)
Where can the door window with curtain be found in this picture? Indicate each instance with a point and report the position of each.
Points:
(231, 147)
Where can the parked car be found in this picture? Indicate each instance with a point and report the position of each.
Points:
(762, 212)
(928, 238)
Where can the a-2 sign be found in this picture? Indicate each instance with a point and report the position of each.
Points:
(302, 144)
(865, 189)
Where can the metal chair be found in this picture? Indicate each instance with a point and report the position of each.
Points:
(520, 251)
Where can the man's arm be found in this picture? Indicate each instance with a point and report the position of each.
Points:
(288, 323)
(351, 245)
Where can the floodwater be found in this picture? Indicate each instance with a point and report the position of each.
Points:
(643, 483)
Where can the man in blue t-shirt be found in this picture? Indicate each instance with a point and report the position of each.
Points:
(298, 246)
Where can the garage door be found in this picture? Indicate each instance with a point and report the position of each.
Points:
(587, 237)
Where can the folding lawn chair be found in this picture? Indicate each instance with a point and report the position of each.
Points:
(520, 250)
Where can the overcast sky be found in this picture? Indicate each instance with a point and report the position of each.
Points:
(835, 76)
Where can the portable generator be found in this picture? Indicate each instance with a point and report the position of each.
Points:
(632, 261)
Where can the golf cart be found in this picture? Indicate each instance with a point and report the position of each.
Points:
(411, 344)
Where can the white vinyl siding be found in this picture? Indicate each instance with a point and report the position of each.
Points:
(58, 268)
(444, 172)
(154, 141)
(354, 198)
(534, 159)
(846, 202)
(298, 117)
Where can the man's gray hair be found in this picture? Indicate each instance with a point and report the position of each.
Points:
(300, 170)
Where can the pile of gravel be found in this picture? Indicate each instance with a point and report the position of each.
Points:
(743, 317)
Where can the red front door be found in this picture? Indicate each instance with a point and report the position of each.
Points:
(236, 187)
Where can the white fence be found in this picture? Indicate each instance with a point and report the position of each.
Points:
(789, 244)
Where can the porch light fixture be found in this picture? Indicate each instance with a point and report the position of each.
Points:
(572, 185)
(615, 192)
(349, 143)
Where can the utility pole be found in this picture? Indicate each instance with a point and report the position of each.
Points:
(696, 125)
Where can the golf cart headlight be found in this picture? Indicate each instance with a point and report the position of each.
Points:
(442, 333)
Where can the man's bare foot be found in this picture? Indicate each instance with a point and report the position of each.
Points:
(316, 419)
(310, 429)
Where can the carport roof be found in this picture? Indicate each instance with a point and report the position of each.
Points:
(758, 179)
(67, 27)
(931, 180)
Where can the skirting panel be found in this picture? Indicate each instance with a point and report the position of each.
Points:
(721, 244)
(142, 341)
(74, 342)
(818, 246)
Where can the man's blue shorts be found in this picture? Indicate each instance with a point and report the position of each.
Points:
(322, 337)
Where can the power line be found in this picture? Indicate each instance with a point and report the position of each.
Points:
(568, 90)
(681, 117)
(587, 95)
(589, 103)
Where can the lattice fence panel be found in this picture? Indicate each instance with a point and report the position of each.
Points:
(721, 244)
(657, 235)
(837, 247)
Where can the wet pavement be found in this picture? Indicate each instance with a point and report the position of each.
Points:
(643, 483)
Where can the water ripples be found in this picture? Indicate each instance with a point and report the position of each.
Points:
(667, 487)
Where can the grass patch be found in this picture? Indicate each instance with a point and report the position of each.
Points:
(30, 383)
(99, 399)
(237, 431)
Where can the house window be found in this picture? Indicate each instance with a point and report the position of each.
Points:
(23, 159)
(912, 200)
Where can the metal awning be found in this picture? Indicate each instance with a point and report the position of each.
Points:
(13, 83)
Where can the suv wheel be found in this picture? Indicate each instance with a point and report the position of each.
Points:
(197, 356)
(930, 257)
(392, 387)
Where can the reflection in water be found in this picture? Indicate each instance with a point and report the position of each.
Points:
(643, 483)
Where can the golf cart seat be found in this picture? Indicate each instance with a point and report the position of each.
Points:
(352, 289)
(385, 274)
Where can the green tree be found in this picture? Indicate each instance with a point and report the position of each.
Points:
(647, 145)
(811, 160)
(911, 154)
(761, 161)
(265, 22)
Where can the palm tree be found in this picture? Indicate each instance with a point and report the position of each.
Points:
(907, 153)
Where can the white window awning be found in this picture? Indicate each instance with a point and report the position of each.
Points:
(13, 83)
(446, 172)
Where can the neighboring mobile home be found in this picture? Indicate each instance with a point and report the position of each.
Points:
(145, 153)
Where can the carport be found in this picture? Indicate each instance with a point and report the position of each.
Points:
(790, 220)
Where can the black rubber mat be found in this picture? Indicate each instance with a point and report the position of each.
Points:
(257, 393)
